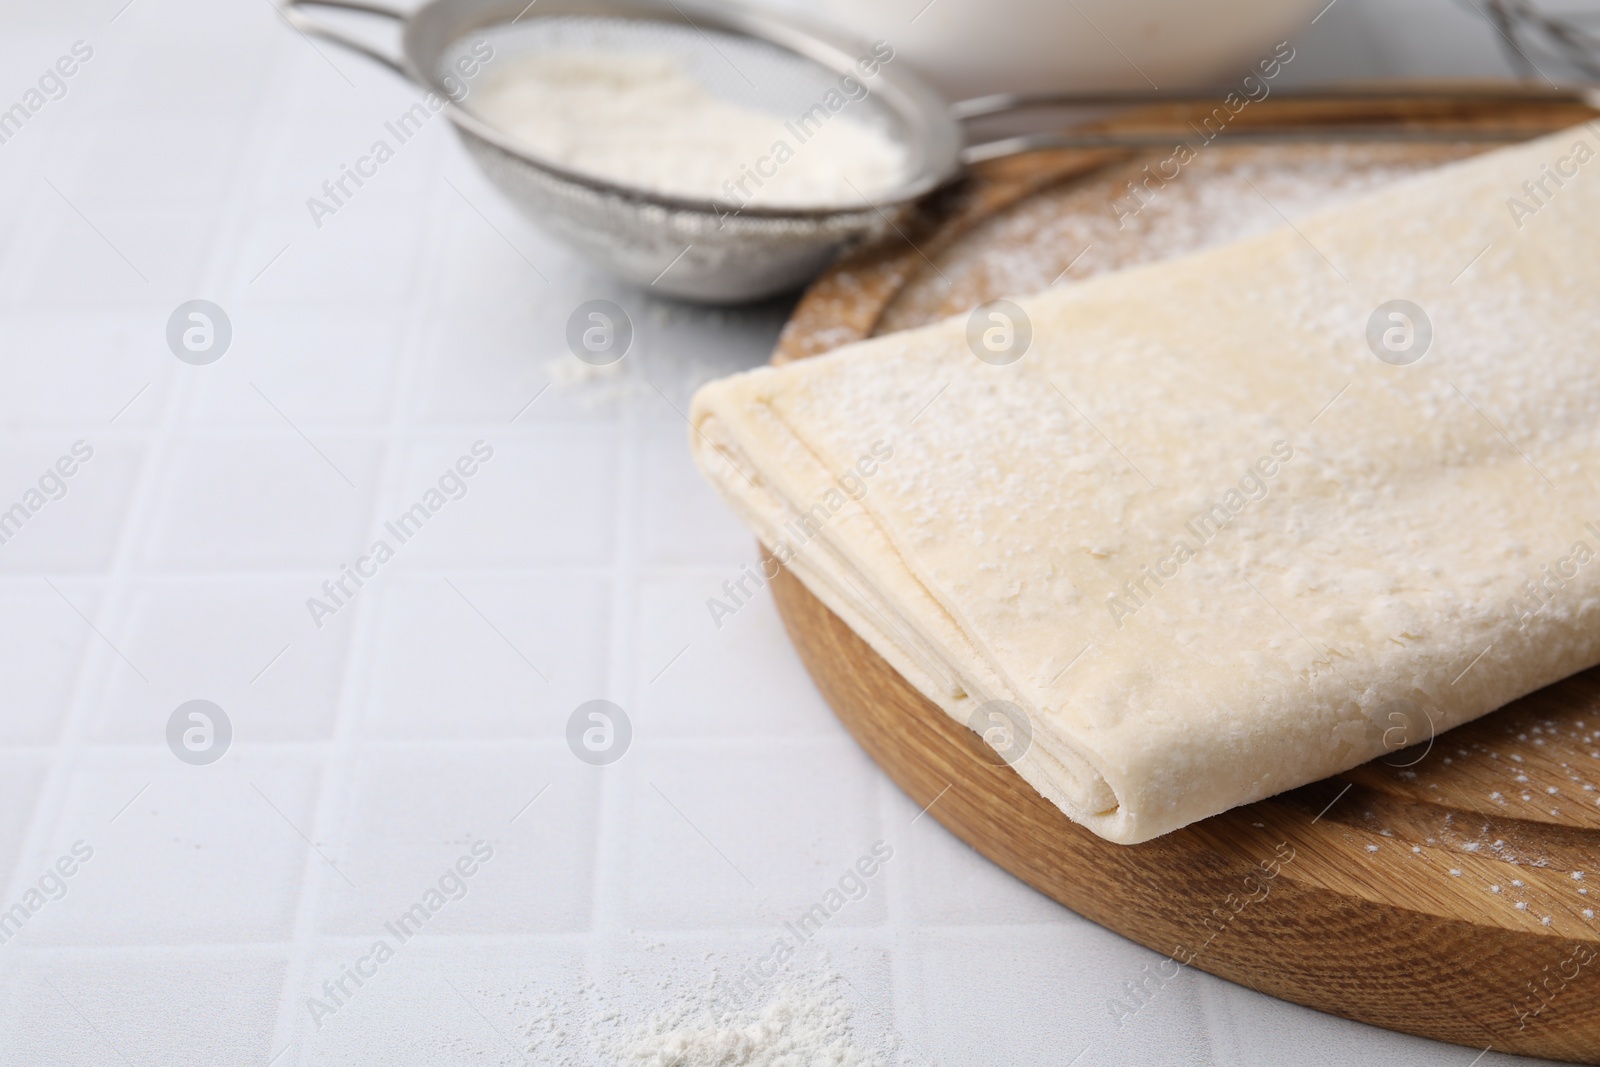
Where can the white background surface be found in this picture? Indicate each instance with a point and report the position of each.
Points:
(368, 754)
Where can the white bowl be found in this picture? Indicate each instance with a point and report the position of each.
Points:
(973, 47)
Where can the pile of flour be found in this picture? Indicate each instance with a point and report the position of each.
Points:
(640, 120)
(797, 1028)
(659, 1014)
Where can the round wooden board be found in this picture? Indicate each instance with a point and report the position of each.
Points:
(1443, 890)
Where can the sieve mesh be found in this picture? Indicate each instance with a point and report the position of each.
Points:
(702, 250)
(740, 70)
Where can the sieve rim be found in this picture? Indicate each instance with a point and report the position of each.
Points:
(429, 31)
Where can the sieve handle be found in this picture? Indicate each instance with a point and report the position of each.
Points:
(1488, 92)
(965, 111)
(1015, 146)
(297, 18)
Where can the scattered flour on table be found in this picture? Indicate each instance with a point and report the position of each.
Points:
(655, 368)
(568, 372)
(591, 387)
(681, 1012)
(641, 121)
(797, 1028)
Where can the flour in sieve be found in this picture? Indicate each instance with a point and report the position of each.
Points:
(641, 121)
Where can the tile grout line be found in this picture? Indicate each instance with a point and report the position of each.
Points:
(685, 571)
(97, 664)
(897, 905)
(316, 881)
(666, 931)
(733, 744)
(607, 915)
(270, 427)
(333, 812)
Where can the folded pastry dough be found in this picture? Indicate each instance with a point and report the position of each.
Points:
(1199, 533)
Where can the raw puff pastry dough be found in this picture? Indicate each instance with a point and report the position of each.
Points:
(1005, 550)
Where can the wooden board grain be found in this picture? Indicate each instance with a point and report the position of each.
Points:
(1447, 889)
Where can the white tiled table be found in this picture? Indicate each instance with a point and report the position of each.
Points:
(368, 754)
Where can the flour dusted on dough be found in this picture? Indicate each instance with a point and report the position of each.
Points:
(1065, 234)
(641, 121)
(1023, 544)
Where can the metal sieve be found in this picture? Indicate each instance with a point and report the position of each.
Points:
(701, 250)
(722, 252)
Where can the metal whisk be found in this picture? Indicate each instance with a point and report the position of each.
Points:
(1544, 45)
